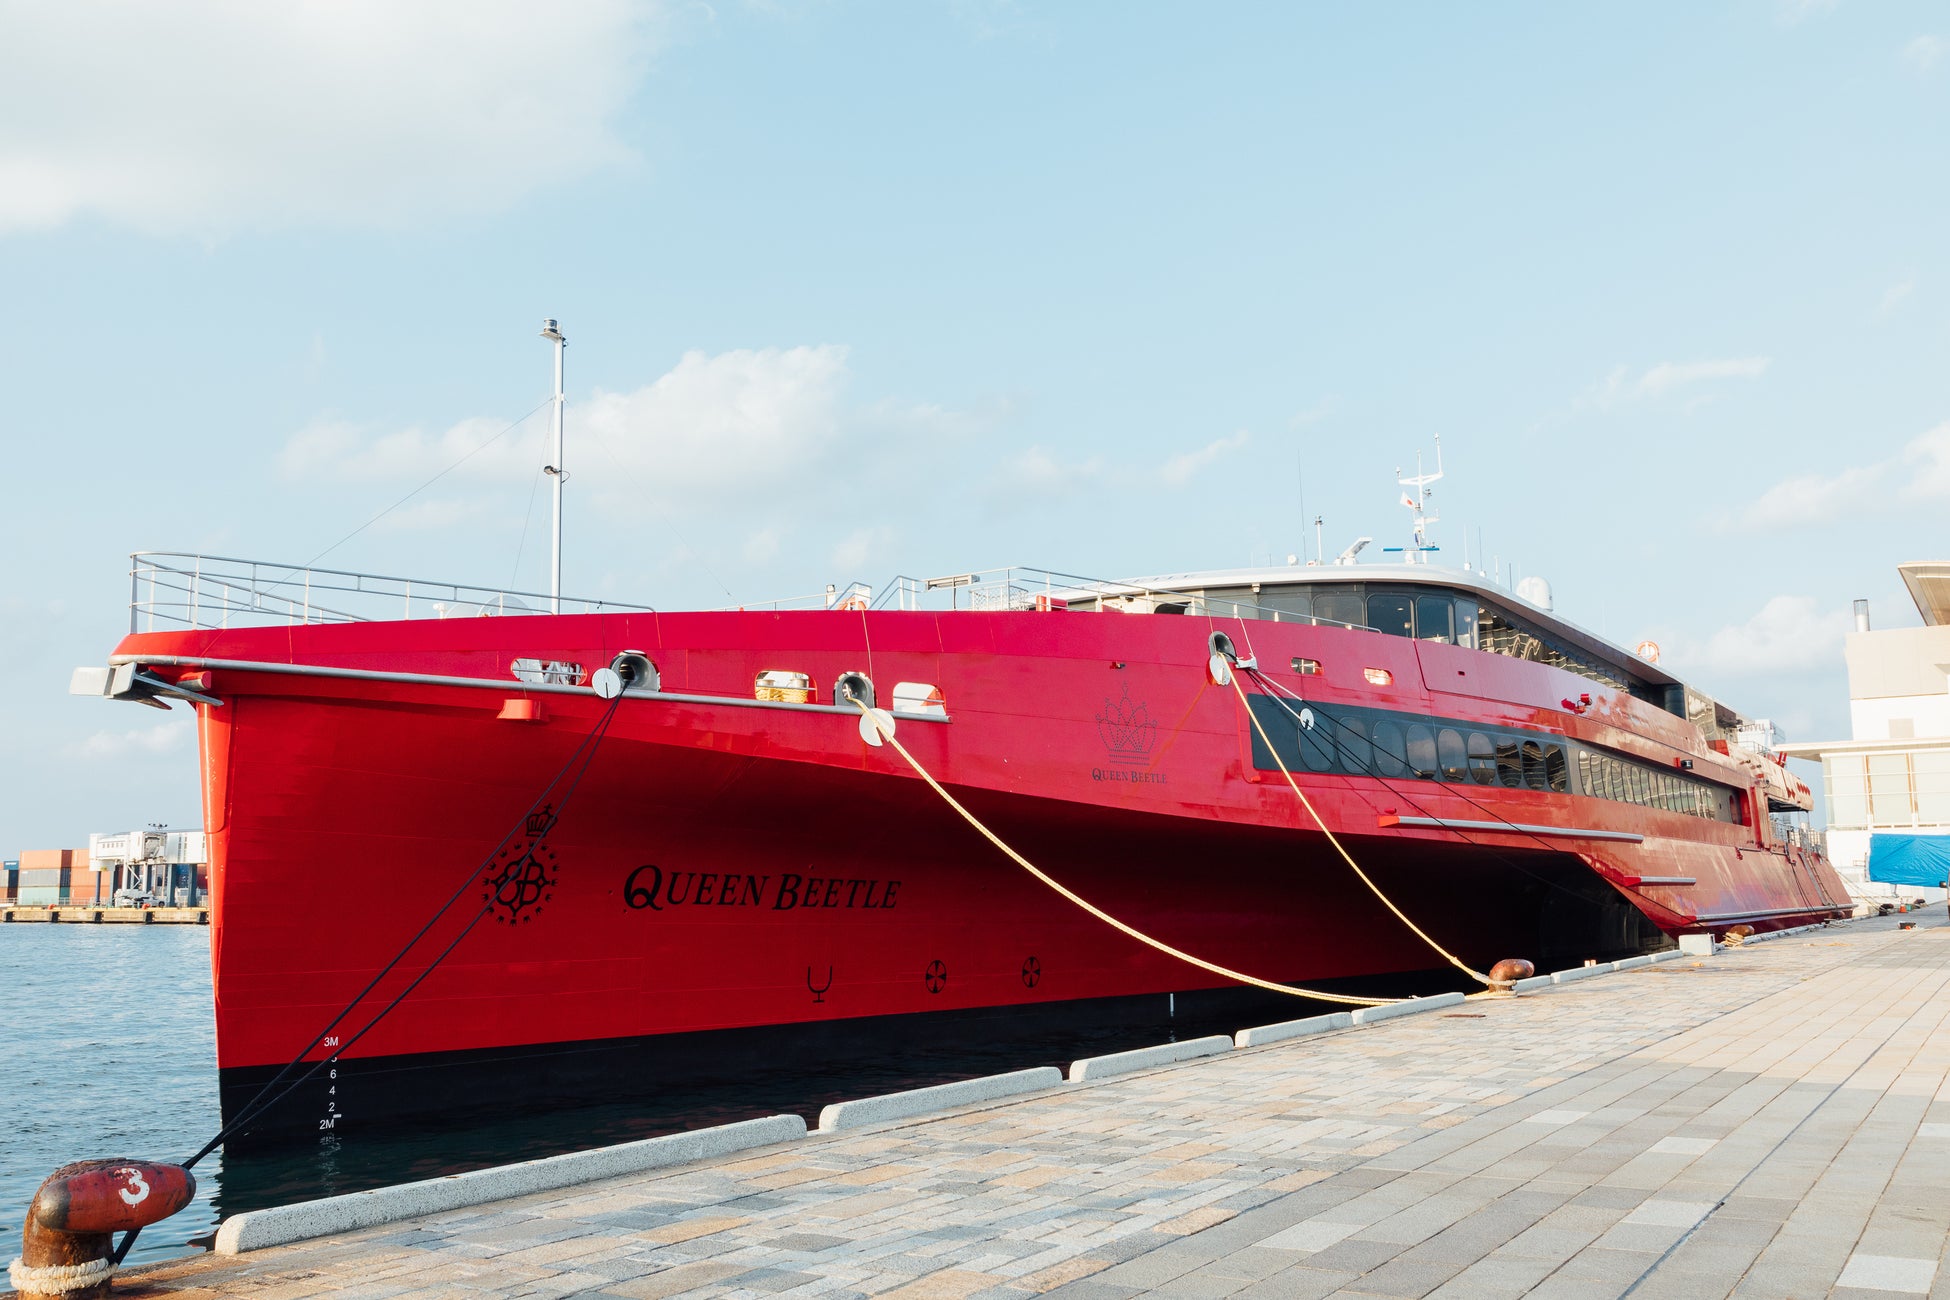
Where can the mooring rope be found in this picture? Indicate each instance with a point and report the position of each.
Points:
(887, 732)
(1340, 848)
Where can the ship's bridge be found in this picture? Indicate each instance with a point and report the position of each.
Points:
(1421, 601)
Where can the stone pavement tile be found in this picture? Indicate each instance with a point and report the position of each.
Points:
(1595, 1273)
(1297, 1283)
(1495, 1277)
(1888, 1273)
(1091, 1288)
(676, 1280)
(1355, 1254)
(1400, 1277)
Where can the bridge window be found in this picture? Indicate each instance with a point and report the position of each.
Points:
(1466, 616)
(1435, 619)
(1391, 613)
(1343, 608)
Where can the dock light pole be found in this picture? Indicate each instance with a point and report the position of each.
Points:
(550, 330)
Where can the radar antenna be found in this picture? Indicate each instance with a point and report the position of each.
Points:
(1417, 501)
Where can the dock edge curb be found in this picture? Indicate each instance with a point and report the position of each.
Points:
(1144, 1058)
(1260, 1035)
(1368, 1015)
(257, 1229)
(844, 1115)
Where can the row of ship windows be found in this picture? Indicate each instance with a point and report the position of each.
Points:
(1390, 749)
(1448, 618)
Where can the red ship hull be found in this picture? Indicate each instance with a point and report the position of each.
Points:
(726, 867)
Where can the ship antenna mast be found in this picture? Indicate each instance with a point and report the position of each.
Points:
(550, 330)
(1419, 485)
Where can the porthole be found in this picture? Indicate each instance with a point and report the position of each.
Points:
(1557, 769)
(1352, 738)
(1534, 775)
(1316, 746)
(1389, 749)
(1421, 751)
(1455, 759)
(1482, 759)
(1509, 763)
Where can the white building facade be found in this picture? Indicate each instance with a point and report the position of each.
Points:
(1892, 776)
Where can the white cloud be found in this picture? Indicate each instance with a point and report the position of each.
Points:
(1181, 468)
(1794, 11)
(1925, 465)
(162, 738)
(712, 425)
(1924, 52)
(1816, 498)
(432, 516)
(730, 420)
(1669, 376)
(1919, 473)
(350, 451)
(1038, 470)
(1789, 634)
(210, 116)
(853, 551)
(1894, 295)
(762, 546)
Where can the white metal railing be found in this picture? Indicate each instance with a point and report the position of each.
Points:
(1022, 587)
(170, 589)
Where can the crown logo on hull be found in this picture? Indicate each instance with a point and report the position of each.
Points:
(1127, 730)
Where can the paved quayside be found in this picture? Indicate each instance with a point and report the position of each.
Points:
(1768, 1121)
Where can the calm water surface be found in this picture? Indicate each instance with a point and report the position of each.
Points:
(108, 1048)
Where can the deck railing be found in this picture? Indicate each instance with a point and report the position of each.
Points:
(170, 589)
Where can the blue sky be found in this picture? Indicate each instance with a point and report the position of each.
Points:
(857, 290)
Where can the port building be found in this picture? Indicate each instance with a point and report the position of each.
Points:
(1887, 787)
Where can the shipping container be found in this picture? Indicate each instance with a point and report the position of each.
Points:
(39, 896)
(44, 877)
(46, 859)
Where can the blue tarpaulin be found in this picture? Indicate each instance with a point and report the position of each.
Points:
(1910, 859)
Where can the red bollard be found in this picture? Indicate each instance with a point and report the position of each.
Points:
(1508, 972)
(67, 1243)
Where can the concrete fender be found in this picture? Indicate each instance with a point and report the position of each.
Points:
(946, 1096)
(1581, 972)
(1144, 1058)
(1260, 1035)
(257, 1229)
(1533, 983)
(1670, 954)
(1632, 963)
(1368, 1015)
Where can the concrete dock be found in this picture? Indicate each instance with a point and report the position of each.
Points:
(1768, 1121)
(97, 914)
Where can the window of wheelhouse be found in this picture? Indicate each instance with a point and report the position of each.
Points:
(1467, 613)
(1342, 606)
(1392, 613)
(1435, 619)
(1287, 606)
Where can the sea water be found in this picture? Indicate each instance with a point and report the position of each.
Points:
(108, 1049)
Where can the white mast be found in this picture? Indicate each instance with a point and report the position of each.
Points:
(1418, 503)
(551, 331)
